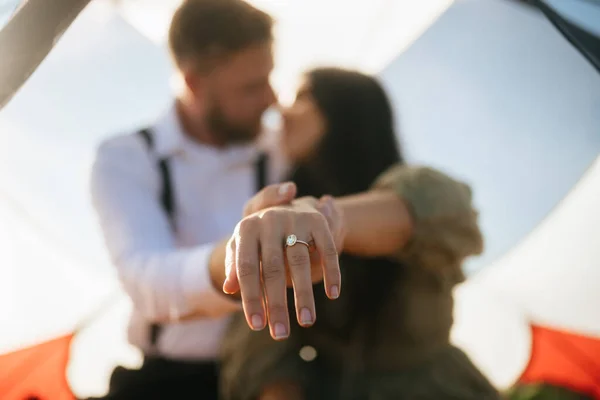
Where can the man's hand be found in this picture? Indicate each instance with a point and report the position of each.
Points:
(271, 196)
(257, 261)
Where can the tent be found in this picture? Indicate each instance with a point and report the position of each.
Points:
(549, 280)
(485, 89)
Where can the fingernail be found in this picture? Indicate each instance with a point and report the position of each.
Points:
(283, 189)
(257, 322)
(225, 289)
(305, 317)
(280, 331)
(335, 292)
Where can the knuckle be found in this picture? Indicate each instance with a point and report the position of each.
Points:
(297, 260)
(277, 308)
(305, 294)
(318, 219)
(272, 216)
(330, 253)
(252, 303)
(272, 271)
(246, 268)
(274, 259)
(248, 224)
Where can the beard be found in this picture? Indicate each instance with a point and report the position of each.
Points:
(230, 132)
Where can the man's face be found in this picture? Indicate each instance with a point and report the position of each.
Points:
(237, 94)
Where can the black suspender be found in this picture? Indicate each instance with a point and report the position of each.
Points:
(261, 172)
(167, 199)
(166, 195)
(168, 204)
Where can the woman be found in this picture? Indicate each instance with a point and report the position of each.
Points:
(383, 338)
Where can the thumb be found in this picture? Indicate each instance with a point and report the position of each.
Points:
(231, 284)
(271, 196)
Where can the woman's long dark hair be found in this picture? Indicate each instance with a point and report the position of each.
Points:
(360, 141)
(359, 144)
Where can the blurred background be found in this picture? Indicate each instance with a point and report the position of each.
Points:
(487, 90)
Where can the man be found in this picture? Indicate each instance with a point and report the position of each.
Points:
(168, 195)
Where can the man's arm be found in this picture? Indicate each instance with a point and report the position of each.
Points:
(164, 283)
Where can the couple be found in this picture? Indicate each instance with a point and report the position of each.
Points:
(170, 199)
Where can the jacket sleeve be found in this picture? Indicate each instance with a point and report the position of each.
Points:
(445, 223)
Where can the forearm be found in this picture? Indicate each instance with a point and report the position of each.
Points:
(377, 222)
(217, 275)
(418, 215)
(173, 285)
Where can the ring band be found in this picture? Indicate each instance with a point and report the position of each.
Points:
(292, 240)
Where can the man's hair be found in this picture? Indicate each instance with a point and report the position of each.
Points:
(203, 31)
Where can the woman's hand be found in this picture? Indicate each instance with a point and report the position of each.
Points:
(284, 194)
(258, 259)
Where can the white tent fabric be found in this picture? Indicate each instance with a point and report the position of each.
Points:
(38, 283)
(493, 93)
(552, 278)
(490, 92)
(359, 34)
(553, 274)
(481, 94)
(102, 78)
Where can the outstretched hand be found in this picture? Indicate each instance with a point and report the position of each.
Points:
(261, 266)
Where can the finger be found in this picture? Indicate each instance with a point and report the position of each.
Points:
(326, 247)
(274, 276)
(231, 284)
(271, 196)
(248, 272)
(298, 258)
(334, 218)
(325, 207)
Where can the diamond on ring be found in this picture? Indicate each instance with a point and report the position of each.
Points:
(291, 240)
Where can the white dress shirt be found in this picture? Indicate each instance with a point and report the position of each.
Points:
(165, 272)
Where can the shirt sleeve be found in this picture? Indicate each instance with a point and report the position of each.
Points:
(165, 283)
(445, 223)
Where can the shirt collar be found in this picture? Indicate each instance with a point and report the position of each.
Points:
(169, 139)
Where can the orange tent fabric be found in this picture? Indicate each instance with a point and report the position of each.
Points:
(564, 359)
(37, 372)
